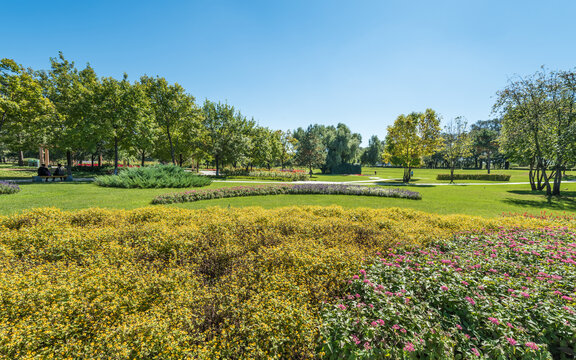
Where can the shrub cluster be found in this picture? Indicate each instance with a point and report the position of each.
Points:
(173, 283)
(485, 177)
(322, 189)
(503, 295)
(268, 174)
(157, 176)
(7, 187)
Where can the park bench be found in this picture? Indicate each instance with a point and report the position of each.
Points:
(53, 177)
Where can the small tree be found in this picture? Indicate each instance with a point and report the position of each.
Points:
(412, 137)
(457, 143)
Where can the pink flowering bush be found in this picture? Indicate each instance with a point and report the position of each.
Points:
(500, 295)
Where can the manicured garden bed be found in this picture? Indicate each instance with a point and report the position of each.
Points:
(323, 189)
(508, 294)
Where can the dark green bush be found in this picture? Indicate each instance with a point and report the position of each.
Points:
(485, 177)
(346, 169)
(158, 176)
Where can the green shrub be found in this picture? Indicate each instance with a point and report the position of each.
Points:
(485, 177)
(158, 176)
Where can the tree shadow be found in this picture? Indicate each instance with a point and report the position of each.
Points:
(566, 201)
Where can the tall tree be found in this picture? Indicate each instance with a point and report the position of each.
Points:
(22, 106)
(310, 150)
(373, 153)
(457, 143)
(170, 105)
(539, 123)
(120, 107)
(412, 137)
(227, 139)
(484, 135)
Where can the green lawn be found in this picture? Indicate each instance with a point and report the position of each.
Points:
(425, 176)
(490, 200)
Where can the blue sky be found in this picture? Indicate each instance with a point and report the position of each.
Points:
(292, 63)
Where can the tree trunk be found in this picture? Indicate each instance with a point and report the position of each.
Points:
(69, 162)
(171, 146)
(3, 119)
(217, 158)
(531, 176)
(115, 155)
(181, 160)
(20, 158)
(407, 176)
(557, 181)
(488, 163)
(143, 157)
(99, 159)
(452, 174)
(92, 161)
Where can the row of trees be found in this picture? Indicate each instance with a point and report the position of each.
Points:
(78, 112)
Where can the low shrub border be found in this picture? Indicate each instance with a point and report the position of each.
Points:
(7, 187)
(325, 189)
(486, 177)
(505, 295)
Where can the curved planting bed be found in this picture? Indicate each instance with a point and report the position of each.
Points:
(322, 189)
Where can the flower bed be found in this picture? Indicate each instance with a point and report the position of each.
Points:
(7, 187)
(500, 295)
(323, 189)
(169, 283)
(267, 174)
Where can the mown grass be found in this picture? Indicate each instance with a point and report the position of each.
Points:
(489, 200)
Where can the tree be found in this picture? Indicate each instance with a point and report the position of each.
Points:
(287, 149)
(539, 124)
(310, 150)
(343, 146)
(484, 136)
(228, 132)
(457, 143)
(412, 137)
(373, 153)
(120, 107)
(74, 125)
(170, 105)
(22, 106)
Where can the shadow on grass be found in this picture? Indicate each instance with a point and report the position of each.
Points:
(566, 201)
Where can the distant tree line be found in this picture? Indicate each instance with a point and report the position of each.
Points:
(78, 114)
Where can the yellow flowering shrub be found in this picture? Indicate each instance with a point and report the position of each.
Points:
(171, 283)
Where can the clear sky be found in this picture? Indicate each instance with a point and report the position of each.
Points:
(296, 62)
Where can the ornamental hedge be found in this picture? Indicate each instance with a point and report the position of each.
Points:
(321, 189)
(484, 177)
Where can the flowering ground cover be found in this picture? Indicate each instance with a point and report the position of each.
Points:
(171, 283)
(7, 187)
(258, 190)
(508, 294)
